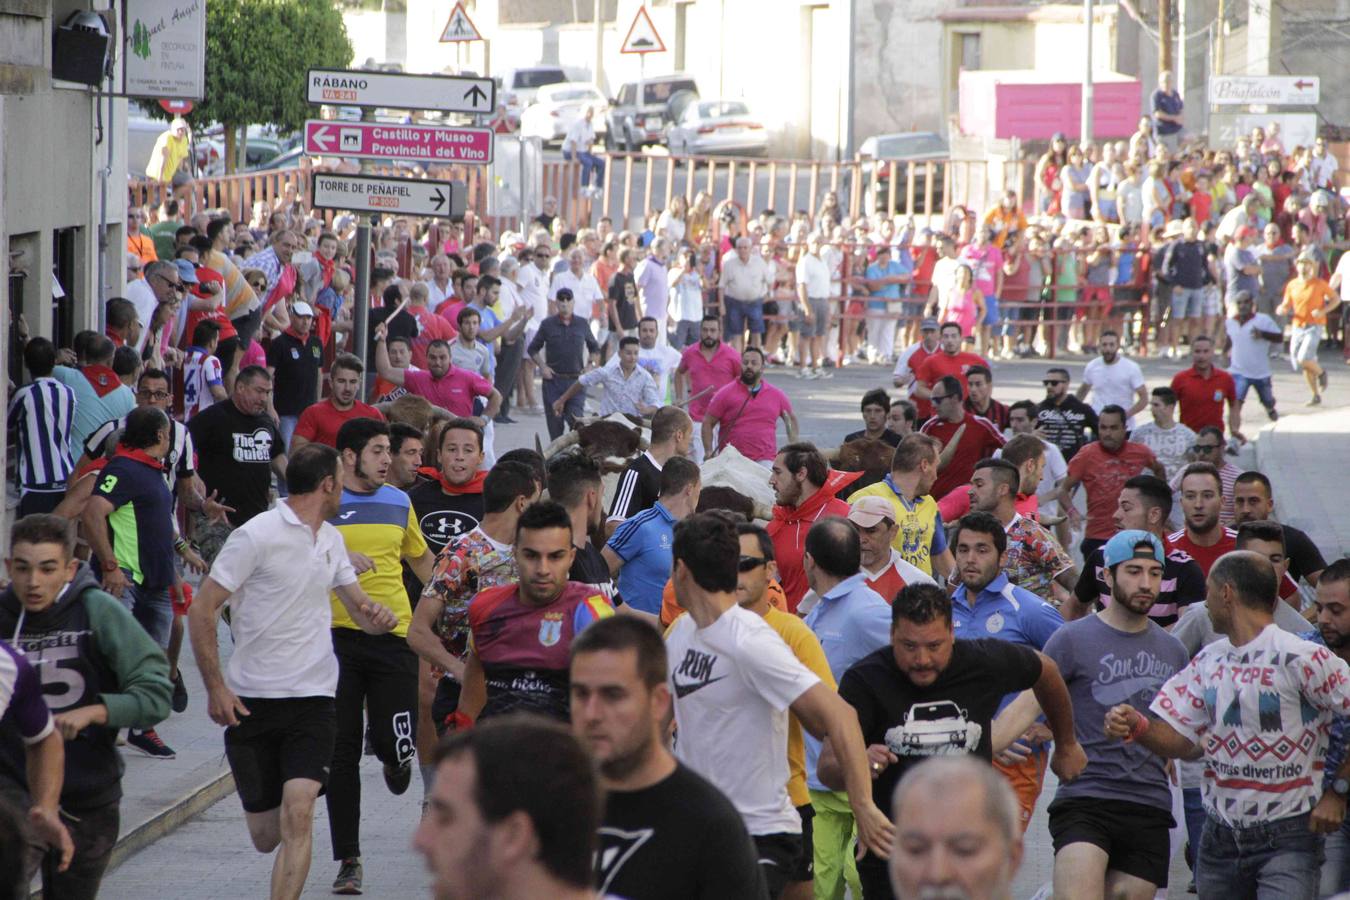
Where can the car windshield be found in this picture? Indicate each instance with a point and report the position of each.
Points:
(934, 712)
(902, 145)
(661, 91)
(719, 108)
(572, 94)
(534, 78)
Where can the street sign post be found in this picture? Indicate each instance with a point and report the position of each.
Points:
(403, 143)
(394, 90)
(393, 196)
(1264, 90)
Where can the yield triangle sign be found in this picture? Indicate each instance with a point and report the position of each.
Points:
(642, 36)
(460, 27)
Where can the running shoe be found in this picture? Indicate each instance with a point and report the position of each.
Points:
(180, 694)
(349, 877)
(148, 742)
(397, 777)
(1322, 380)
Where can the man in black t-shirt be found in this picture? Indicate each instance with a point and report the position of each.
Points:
(1144, 504)
(1254, 501)
(1062, 417)
(294, 358)
(640, 483)
(667, 833)
(238, 448)
(622, 296)
(448, 498)
(574, 481)
(929, 694)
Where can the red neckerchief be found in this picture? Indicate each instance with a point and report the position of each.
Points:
(102, 379)
(304, 340)
(139, 455)
(115, 338)
(473, 486)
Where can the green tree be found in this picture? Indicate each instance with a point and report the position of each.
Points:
(257, 55)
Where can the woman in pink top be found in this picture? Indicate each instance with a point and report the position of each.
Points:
(965, 304)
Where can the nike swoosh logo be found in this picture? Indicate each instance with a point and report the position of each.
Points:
(684, 690)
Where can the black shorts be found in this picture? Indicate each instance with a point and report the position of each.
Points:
(778, 859)
(806, 865)
(280, 739)
(444, 704)
(1136, 837)
(770, 307)
(226, 350)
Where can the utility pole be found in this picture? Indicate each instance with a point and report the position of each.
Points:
(1085, 118)
(599, 50)
(1218, 40)
(1165, 36)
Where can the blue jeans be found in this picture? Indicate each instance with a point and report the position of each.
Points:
(1336, 870)
(1263, 389)
(589, 162)
(1279, 860)
(1193, 808)
(153, 609)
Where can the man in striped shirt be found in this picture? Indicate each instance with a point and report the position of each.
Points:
(40, 419)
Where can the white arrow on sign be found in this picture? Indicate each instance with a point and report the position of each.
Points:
(396, 90)
(399, 196)
(322, 138)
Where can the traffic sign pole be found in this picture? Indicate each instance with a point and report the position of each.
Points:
(361, 314)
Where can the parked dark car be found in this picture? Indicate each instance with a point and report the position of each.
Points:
(909, 150)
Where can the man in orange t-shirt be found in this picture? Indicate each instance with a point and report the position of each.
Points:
(140, 244)
(1307, 300)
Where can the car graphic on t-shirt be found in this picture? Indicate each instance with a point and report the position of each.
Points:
(934, 729)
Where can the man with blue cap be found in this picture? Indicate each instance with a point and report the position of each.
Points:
(1111, 825)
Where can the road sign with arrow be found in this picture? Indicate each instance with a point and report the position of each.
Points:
(396, 196)
(460, 27)
(404, 143)
(395, 90)
(642, 36)
(1262, 90)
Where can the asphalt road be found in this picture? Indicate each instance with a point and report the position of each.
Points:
(209, 858)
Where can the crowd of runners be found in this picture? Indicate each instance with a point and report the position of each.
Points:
(646, 691)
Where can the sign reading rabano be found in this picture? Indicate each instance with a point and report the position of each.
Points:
(164, 49)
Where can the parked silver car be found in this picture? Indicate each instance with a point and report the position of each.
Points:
(717, 126)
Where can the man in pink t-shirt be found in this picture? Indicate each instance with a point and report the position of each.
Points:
(441, 384)
(747, 411)
(705, 368)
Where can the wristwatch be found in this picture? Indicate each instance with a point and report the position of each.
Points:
(1341, 786)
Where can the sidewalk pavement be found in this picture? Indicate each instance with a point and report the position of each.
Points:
(1304, 457)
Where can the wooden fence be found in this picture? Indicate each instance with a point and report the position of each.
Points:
(637, 185)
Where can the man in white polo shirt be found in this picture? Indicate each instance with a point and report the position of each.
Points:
(276, 695)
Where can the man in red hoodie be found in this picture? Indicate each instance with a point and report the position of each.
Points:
(805, 489)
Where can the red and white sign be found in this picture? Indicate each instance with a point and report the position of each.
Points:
(176, 107)
(405, 143)
(642, 36)
(459, 27)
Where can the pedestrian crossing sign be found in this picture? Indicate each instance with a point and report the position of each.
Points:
(460, 27)
(642, 36)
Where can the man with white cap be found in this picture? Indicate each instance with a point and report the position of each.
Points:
(882, 566)
(293, 361)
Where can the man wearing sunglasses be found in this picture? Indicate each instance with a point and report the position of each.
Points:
(1067, 421)
(161, 284)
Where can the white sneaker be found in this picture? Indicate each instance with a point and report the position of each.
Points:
(823, 373)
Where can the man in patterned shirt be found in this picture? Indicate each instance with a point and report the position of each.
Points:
(439, 633)
(1035, 561)
(629, 388)
(1257, 705)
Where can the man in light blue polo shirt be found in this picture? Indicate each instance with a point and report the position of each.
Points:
(99, 394)
(851, 620)
(639, 551)
(1000, 609)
